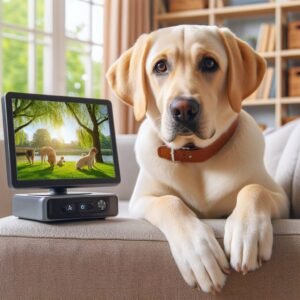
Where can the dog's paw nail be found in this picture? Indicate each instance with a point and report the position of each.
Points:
(212, 291)
(245, 270)
(238, 268)
(218, 288)
(226, 271)
(259, 261)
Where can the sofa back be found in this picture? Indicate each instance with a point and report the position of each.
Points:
(128, 169)
(282, 160)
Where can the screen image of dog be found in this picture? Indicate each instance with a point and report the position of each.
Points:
(87, 160)
(52, 148)
(200, 154)
(61, 161)
(30, 155)
(50, 153)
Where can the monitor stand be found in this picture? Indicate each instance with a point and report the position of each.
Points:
(59, 191)
(60, 205)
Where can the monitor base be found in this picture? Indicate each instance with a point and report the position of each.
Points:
(64, 206)
(51, 194)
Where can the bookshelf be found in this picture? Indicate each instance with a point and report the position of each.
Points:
(274, 109)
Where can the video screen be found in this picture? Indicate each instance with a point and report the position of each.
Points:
(62, 140)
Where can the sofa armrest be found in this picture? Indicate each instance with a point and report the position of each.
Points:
(126, 259)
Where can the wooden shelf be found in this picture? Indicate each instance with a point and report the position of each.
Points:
(271, 101)
(259, 102)
(245, 10)
(290, 100)
(200, 14)
(290, 6)
(268, 55)
(229, 11)
(279, 11)
(290, 53)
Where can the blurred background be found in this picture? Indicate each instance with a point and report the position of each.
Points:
(64, 47)
(56, 46)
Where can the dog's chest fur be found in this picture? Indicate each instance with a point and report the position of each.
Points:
(209, 188)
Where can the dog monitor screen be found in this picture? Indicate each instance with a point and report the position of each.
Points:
(58, 140)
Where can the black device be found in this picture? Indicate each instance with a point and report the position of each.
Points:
(59, 142)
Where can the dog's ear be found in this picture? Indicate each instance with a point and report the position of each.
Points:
(246, 69)
(127, 76)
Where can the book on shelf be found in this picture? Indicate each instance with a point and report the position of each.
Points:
(271, 41)
(219, 3)
(273, 87)
(162, 7)
(267, 87)
(268, 83)
(261, 35)
(264, 43)
(266, 38)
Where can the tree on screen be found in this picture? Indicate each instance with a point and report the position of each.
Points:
(89, 117)
(26, 112)
(41, 138)
(21, 139)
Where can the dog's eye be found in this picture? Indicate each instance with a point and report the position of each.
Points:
(208, 64)
(161, 67)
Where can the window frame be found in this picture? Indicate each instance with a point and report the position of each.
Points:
(54, 61)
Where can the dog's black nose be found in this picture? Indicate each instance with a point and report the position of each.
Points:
(184, 110)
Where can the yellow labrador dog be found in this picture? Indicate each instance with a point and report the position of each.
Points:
(200, 155)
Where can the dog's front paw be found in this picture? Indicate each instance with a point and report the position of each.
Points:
(248, 240)
(199, 257)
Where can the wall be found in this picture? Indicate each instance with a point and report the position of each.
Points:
(5, 192)
(1, 124)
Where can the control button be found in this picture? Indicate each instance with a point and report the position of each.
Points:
(69, 208)
(101, 204)
(85, 206)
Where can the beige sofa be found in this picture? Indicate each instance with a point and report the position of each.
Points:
(123, 258)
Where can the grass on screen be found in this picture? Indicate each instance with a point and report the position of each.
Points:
(39, 171)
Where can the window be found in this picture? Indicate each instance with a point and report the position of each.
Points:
(51, 46)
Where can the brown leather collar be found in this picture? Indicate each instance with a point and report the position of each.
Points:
(198, 154)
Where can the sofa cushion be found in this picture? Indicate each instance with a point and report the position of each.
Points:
(126, 259)
(282, 159)
(113, 228)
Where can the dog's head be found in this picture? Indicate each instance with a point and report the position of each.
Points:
(190, 80)
(94, 150)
